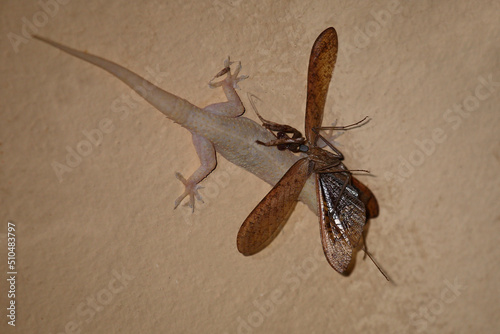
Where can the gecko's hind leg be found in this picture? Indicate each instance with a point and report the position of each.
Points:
(206, 152)
(233, 107)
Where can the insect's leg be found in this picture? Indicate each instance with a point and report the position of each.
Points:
(330, 145)
(365, 250)
(271, 142)
(272, 126)
(206, 152)
(285, 129)
(330, 136)
(233, 107)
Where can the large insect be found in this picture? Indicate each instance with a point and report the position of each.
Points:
(344, 203)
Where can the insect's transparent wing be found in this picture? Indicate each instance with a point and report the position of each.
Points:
(269, 216)
(341, 226)
(367, 197)
(321, 64)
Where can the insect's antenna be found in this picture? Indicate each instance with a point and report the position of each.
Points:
(376, 264)
(252, 98)
(358, 124)
(330, 145)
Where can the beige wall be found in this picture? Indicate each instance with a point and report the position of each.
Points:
(103, 251)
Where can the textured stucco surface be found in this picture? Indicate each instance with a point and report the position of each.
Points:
(418, 72)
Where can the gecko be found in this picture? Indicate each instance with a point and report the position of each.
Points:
(218, 127)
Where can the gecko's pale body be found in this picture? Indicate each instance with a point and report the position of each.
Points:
(215, 128)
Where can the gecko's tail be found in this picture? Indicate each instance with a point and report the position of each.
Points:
(172, 106)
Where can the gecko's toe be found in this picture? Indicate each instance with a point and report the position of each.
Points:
(232, 78)
(179, 200)
(190, 189)
(238, 79)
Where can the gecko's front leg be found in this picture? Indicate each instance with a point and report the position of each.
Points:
(233, 107)
(204, 148)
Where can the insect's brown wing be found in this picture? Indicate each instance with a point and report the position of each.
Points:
(367, 197)
(341, 226)
(269, 216)
(321, 64)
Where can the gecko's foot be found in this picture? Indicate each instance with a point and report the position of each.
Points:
(191, 189)
(232, 79)
(330, 136)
